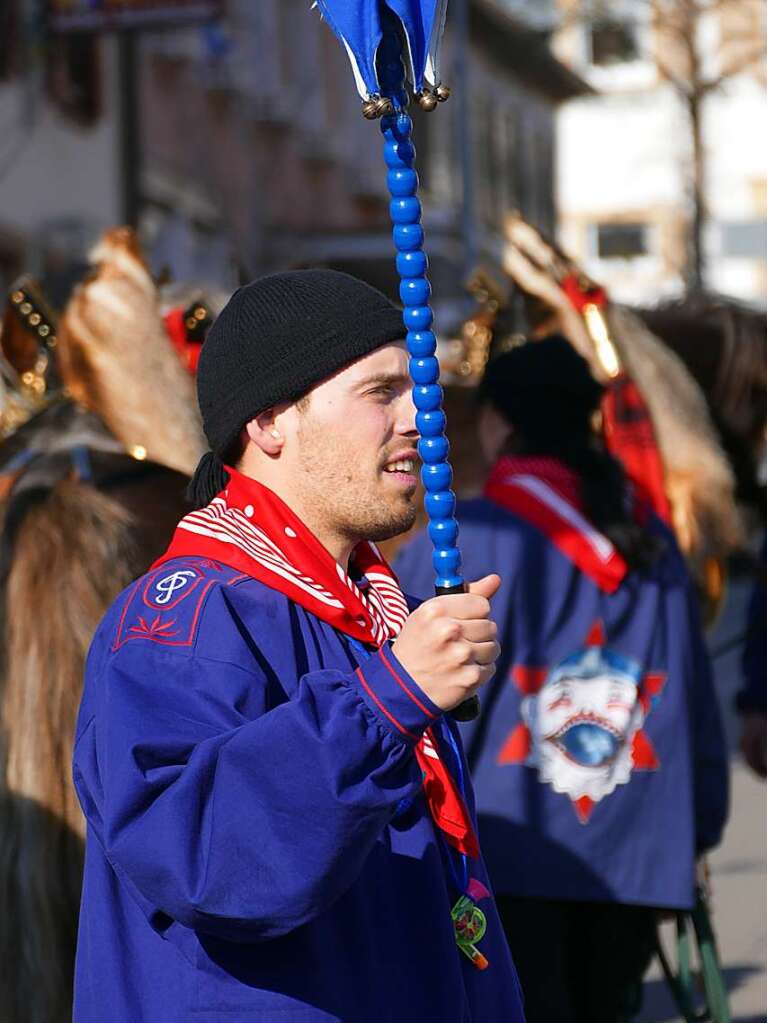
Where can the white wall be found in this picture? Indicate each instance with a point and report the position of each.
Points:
(51, 168)
(628, 150)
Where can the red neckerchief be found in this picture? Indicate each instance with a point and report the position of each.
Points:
(545, 493)
(249, 528)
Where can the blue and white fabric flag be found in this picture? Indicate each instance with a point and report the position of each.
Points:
(359, 24)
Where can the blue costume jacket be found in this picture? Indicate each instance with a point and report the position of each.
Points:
(599, 763)
(258, 843)
(753, 695)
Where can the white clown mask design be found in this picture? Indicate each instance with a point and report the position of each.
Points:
(582, 722)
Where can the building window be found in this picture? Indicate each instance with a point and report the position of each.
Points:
(745, 239)
(622, 241)
(613, 42)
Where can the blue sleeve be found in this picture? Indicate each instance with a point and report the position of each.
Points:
(244, 828)
(710, 763)
(753, 695)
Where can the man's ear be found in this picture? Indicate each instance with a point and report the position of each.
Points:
(264, 433)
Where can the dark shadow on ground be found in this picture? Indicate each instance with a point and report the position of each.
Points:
(659, 1007)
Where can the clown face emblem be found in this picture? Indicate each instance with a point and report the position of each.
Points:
(587, 718)
(582, 723)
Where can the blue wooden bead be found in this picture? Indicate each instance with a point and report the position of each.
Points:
(421, 343)
(447, 564)
(437, 477)
(418, 317)
(431, 422)
(451, 583)
(402, 181)
(412, 264)
(406, 210)
(415, 291)
(443, 532)
(398, 154)
(425, 370)
(403, 126)
(434, 449)
(427, 397)
(394, 155)
(407, 237)
(440, 505)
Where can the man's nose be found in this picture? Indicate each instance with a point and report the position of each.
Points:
(406, 412)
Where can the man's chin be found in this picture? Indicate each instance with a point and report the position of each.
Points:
(396, 524)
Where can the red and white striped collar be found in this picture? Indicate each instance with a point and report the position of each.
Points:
(248, 527)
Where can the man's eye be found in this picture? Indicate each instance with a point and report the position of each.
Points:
(384, 391)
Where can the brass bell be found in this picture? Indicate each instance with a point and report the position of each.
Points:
(370, 108)
(384, 106)
(426, 100)
(442, 92)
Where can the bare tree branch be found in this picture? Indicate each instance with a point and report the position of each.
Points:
(681, 62)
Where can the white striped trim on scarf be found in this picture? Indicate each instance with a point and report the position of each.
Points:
(384, 601)
(229, 525)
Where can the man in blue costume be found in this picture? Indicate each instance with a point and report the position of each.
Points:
(598, 761)
(279, 819)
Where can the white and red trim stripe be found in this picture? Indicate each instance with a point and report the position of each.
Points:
(545, 506)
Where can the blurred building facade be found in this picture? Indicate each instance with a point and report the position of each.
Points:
(249, 151)
(626, 167)
(255, 150)
(59, 146)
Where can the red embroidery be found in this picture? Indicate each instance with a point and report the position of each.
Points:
(155, 628)
(181, 630)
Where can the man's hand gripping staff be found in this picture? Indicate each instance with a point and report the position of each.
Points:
(449, 645)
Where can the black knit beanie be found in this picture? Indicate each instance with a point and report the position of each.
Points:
(273, 341)
(542, 386)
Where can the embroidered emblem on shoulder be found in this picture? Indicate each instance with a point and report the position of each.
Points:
(169, 590)
(146, 612)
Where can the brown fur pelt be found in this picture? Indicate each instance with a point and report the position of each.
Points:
(699, 480)
(116, 358)
(72, 554)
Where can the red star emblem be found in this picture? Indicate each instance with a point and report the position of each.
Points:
(529, 680)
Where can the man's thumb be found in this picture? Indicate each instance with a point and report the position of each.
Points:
(487, 586)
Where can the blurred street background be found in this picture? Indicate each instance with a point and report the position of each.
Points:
(236, 146)
(634, 132)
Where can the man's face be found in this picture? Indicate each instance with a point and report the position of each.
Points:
(354, 452)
